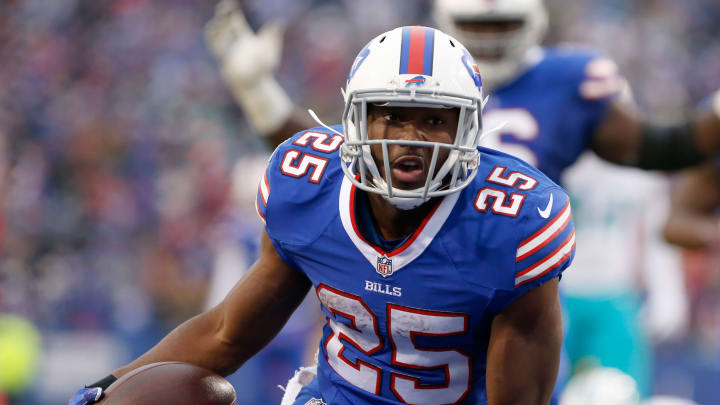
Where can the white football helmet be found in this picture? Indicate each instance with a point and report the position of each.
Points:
(508, 47)
(413, 67)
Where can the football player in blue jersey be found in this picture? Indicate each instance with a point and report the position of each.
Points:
(436, 261)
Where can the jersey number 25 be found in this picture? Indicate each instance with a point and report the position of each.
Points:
(297, 164)
(403, 324)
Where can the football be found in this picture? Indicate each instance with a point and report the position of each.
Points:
(168, 383)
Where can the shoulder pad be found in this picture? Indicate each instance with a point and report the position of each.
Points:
(548, 236)
(539, 209)
(296, 192)
(504, 184)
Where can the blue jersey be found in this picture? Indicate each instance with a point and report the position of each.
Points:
(551, 111)
(412, 325)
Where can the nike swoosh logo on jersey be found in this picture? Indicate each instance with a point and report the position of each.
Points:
(546, 212)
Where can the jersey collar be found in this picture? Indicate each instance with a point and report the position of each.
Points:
(408, 251)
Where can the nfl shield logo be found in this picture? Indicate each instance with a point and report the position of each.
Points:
(384, 266)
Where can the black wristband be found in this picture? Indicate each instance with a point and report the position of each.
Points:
(104, 383)
(669, 148)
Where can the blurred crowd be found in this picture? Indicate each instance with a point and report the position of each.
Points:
(118, 141)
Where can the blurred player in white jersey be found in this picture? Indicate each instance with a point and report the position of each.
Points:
(631, 287)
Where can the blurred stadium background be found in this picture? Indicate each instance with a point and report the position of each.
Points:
(118, 151)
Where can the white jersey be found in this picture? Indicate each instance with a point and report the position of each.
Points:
(618, 214)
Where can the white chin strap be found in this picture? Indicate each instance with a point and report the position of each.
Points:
(404, 203)
(408, 203)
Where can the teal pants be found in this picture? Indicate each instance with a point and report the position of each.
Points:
(607, 331)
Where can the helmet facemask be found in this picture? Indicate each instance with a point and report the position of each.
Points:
(417, 67)
(456, 172)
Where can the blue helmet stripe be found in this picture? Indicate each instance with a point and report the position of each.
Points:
(405, 50)
(429, 48)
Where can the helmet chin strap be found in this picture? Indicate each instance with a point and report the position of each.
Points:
(403, 203)
(406, 204)
(322, 124)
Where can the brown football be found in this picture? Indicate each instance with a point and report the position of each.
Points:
(168, 383)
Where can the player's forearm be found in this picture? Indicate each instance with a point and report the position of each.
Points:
(625, 138)
(249, 317)
(679, 146)
(708, 126)
(708, 131)
(199, 341)
(693, 232)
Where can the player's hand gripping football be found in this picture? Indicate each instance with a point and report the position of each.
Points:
(244, 56)
(85, 396)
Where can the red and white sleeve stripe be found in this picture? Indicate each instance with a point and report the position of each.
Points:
(551, 261)
(262, 197)
(545, 235)
(546, 249)
(264, 189)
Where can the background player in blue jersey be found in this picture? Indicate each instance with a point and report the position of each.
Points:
(556, 101)
(436, 262)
